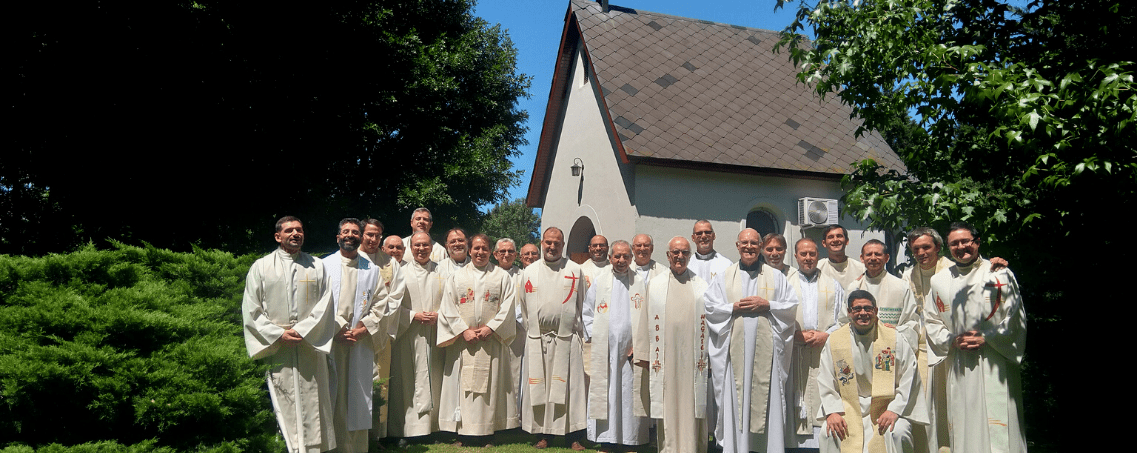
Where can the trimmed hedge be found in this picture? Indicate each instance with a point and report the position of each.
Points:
(134, 348)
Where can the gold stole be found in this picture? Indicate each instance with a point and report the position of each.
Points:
(657, 310)
(920, 292)
(763, 347)
(476, 359)
(810, 358)
(599, 360)
(883, 383)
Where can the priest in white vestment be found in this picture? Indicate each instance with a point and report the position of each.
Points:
(554, 396)
(818, 297)
(394, 248)
(289, 322)
(475, 329)
(422, 221)
(416, 374)
(597, 258)
(360, 295)
(708, 264)
(457, 252)
(895, 303)
(976, 324)
(774, 255)
(612, 323)
(505, 251)
(677, 341)
(870, 390)
(839, 265)
(751, 313)
(390, 271)
(642, 248)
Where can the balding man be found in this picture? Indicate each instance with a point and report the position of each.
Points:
(706, 263)
(393, 247)
(422, 221)
(529, 255)
(642, 248)
(676, 353)
(838, 265)
(612, 323)
(597, 258)
(552, 298)
(896, 305)
(751, 312)
(818, 296)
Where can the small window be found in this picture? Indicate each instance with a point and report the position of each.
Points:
(763, 221)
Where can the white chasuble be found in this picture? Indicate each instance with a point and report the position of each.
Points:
(677, 360)
(818, 298)
(865, 375)
(752, 353)
(554, 396)
(477, 388)
(708, 266)
(984, 392)
(416, 374)
(591, 270)
(517, 346)
(357, 289)
(845, 273)
(282, 292)
(932, 376)
(390, 274)
(437, 251)
(617, 388)
(895, 303)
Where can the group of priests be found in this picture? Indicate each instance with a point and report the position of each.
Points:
(753, 355)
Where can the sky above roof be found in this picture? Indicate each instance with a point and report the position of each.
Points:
(535, 28)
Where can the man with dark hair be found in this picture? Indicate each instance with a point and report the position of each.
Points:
(457, 251)
(870, 390)
(976, 324)
(289, 322)
(552, 298)
(838, 265)
(363, 302)
(896, 304)
(422, 221)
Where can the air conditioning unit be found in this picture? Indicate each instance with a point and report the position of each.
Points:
(816, 212)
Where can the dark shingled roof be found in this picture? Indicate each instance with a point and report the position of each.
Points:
(716, 95)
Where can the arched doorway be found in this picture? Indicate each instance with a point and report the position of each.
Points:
(576, 244)
(762, 220)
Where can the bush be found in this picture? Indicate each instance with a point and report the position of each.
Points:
(133, 348)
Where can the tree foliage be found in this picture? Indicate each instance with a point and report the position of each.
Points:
(230, 114)
(514, 220)
(1027, 119)
(135, 346)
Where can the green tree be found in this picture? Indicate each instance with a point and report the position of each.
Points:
(514, 220)
(1030, 124)
(229, 114)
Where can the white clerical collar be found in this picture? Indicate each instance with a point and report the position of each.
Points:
(709, 256)
(644, 267)
(599, 263)
(285, 254)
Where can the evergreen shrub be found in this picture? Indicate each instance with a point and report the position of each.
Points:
(129, 349)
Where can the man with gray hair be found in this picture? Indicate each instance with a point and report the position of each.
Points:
(642, 248)
(925, 245)
(505, 252)
(422, 220)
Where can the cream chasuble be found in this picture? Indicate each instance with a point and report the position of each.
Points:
(555, 395)
(934, 378)
(416, 374)
(865, 375)
(285, 291)
(650, 270)
(477, 388)
(752, 355)
(845, 273)
(984, 392)
(391, 275)
(357, 290)
(437, 251)
(617, 390)
(894, 300)
(819, 296)
(677, 345)
(591, 269)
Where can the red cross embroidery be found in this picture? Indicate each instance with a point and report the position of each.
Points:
(572, 288)
(998, 286)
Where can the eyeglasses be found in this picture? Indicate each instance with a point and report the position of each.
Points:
(961, 242)
(680, 252)
(864, 308)
(702, 233)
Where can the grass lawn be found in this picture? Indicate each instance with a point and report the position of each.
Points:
(509, 441)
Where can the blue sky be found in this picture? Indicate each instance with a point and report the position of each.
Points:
(535, 27)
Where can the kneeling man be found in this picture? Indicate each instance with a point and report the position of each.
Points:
(870, 393)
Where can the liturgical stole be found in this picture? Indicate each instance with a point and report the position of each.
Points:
(657, 310)
(604, 281)
(554, 343)
(811, 357)
(763, 347)
(883, 383)
(477, 309)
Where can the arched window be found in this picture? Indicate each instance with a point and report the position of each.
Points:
(763, 221)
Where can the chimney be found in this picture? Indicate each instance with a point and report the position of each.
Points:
(603, 6)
